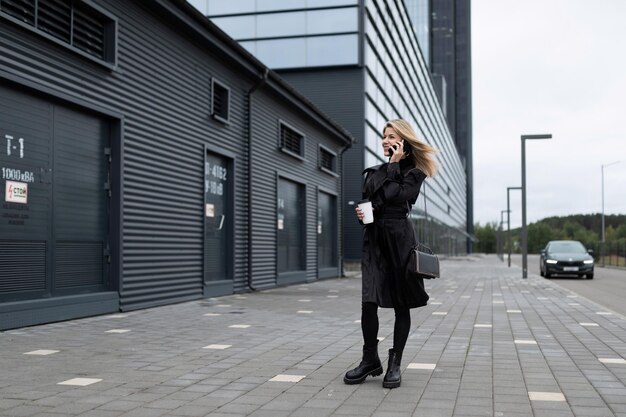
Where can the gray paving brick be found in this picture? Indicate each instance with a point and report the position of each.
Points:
(165, 404)
(190, 411)
(475, 401)
(24, 411)
(432, 412)
(103, 413)
(476, 393)
(144, 412)
(618, 408)
(243, 409)
(614, 399)
(10, 403)
(381, 413)
(592, 411)
(269, 413)
(506, 407)
(219, 414)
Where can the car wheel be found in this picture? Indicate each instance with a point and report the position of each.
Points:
(589, 276)
(541, 270)
(546, 274)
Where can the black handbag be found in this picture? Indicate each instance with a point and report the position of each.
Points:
(423, 263)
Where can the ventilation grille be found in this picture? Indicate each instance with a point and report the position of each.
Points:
(290, 140)
(78, 264)
(22, 266)
(327, 160)
(23, 10)
(71, 22)
(55, 18)
(89, 32)
(220, 101)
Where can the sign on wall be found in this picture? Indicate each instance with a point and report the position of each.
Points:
(16, 192)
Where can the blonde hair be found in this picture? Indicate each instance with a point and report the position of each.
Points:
(423, 154)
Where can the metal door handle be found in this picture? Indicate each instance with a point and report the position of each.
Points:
(221, 222)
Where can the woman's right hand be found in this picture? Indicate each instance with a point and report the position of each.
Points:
(359, 213)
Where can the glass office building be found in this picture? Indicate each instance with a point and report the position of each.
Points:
(420, 14)
(448, 42)
(360, 62)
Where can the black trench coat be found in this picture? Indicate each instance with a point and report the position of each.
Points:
(392, 188)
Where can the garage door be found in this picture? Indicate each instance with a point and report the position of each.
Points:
(53, 198)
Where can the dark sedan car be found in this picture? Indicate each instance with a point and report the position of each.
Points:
(566, 257)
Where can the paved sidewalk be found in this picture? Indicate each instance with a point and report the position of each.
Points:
(488, 344)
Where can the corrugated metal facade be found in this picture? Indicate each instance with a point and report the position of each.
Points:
(159, 97)
(265, 127)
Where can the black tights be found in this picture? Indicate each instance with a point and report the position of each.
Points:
(369, 326)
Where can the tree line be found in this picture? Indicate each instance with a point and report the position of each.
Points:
(586, 228)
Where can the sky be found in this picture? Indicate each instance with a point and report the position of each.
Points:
(549, 66)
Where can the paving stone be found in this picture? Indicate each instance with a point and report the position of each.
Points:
(144, 412)
(166, 404)
(243, 409)
(10, 403)
(269, 413)
(105, 413)
(432, 412)
(554, 413)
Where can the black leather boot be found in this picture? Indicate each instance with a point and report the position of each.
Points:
(370, 365)
(393, 376)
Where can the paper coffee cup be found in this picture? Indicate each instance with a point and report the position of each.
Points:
(368, 211)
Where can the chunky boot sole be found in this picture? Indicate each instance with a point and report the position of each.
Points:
(391, 384)
(373, 372)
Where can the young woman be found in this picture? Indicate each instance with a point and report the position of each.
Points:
(392, 188)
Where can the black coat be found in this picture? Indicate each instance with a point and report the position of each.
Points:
(392, 188)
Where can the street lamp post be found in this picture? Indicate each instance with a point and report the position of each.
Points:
(524, 231)
(602, 240)
(508, 218)
(502, 237)
(498, 242)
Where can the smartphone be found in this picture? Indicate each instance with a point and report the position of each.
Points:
(407, 148)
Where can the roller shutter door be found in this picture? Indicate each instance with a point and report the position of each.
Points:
(53, 201)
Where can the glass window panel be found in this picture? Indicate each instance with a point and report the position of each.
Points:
(332, 21)
(217, 7)
(250, 46)
(201, 5)
(371, 160)
(324, 3)
(370, 86)
(394, 98)
(273, 53)
(281, 24)
(372, 141)
(370, 58)
(379, 69)
(370, 111)
(271, 5)
(380, 120)
(237, 27)
(332, 50)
